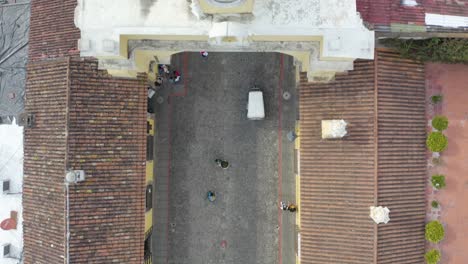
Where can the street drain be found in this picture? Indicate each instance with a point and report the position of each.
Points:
(160, 100)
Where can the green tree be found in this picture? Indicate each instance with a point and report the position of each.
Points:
(436, 142)
(440, 122)
(432, 256)
(438, 181)
(434, 231)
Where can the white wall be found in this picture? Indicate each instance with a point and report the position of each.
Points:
(336, 20)
(11, 167)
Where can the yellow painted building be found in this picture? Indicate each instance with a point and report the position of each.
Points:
(149, 186)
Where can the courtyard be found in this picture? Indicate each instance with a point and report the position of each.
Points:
(203, 117)
(450, 81)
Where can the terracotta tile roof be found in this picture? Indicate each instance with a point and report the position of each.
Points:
(386, 12)
(85, 119)
(381, 161)
(44, 164)
(52, 30)
(402, 162)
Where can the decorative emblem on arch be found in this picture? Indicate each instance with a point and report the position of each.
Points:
(226, 3)
(226, 6)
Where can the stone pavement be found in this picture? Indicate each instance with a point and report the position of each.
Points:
(14, 30)
(205, 119)
(452, 82)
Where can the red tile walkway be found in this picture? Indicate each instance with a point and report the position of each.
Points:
(452, 82)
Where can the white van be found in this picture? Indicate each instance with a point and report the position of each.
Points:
(255, 105)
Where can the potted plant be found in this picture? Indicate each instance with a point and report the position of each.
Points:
(438, 181)
(436, 98)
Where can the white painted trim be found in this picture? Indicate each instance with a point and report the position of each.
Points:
(446, 20)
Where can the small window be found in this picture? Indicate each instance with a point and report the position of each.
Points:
(6, 186)
(6, 250)
(149, 197)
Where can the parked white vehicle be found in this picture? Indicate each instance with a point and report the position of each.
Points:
(255, 105)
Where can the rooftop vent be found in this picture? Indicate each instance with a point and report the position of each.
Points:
(379, 214)
(26, 119)
(409, 3)
(333, 129)
(75, 176)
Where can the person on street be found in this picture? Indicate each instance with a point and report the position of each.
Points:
(283, 206)
(288, 207)
(222, 163)
(176, 76)
(292, 208)
(165, 68)
(211, 196)
(158, 81)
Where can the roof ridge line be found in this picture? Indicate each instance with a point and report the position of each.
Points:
(376, 149)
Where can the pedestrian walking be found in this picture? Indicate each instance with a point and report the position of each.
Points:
(176, 76)
(288, 206)
(204, 54)
(292, 208)
(165, 69)
(283, 206)
(158, 81)
(222, 163)
(211, 196)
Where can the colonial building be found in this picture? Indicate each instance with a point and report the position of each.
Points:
(89, 64)
(324, 36)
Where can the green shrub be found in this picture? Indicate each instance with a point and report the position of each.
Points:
(438, 181)
(434, 231)
(432, 256)
(436, 98)
(440, 122)
(435, 204)
(448, 50)
(436, 142)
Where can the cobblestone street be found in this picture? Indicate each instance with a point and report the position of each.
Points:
(204, 119)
